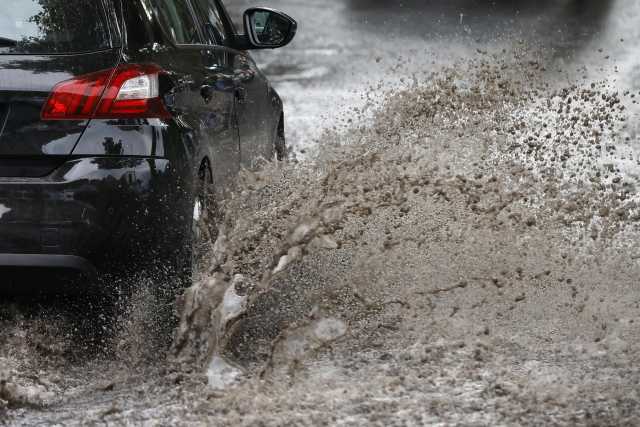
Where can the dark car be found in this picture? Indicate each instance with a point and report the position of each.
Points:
(118, 120)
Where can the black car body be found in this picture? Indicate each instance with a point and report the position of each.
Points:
(111, 112)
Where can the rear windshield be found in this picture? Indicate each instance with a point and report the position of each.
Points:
(52, 26)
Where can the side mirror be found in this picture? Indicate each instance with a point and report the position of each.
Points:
(268, 28)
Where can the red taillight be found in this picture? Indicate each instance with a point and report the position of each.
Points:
(128, 91)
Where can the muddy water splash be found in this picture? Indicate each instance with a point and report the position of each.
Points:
(442, 251)
(471, 192)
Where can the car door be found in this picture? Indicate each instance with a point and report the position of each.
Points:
(251, 88)
(254, 115)
(205, 93)
(221, 125)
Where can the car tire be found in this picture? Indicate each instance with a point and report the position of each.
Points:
(190, 264)
(204, 225)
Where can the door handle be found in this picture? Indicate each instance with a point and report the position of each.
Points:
(241, 94)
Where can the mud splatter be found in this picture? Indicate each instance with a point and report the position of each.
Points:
(476, 142)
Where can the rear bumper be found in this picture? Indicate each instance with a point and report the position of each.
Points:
(61, 262)
(102, 213)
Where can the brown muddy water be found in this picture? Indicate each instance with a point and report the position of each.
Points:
(460, 250)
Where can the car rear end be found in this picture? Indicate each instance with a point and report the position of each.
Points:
(85, 177)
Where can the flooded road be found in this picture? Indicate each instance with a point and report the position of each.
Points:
(343, 46)
(457, 243)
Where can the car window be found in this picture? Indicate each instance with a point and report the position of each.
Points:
(177, 20)
(53, 26)
(215, 16)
